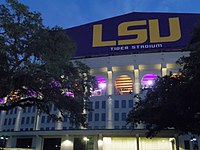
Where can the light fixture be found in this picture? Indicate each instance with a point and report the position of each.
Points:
(86, 139)
(193, 139)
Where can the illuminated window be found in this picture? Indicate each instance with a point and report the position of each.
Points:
(148, 80)
(124, 85)
(101, 87)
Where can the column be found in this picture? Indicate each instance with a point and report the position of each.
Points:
(138, 141)
(136, 81)
(177, 141)
(3, 114)
(18, 119)
(37, 143)
(37, 120)
(164, 70)
(109, 110)
(58, 124)
(100, 142)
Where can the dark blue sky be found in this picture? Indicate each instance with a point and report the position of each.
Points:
(70, 13)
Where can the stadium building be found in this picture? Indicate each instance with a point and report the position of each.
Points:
(125, 53)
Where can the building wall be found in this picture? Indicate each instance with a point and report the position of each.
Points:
(109, 109)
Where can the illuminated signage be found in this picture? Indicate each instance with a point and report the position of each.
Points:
(133, 33)
(141, 34)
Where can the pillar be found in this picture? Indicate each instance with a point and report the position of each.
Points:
(58, 124)
(136, 81)
(18, 119)
(3, 114)
(109, 110)
(37, 143)
(100, 142)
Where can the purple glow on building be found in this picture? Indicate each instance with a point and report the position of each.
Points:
(70, 94)
(101, 86)
(148, 80)
(101, 82)
(55, 84)
(1, 100)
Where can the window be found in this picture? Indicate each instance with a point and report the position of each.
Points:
(55, 108)
(123, 102)
(124, 85)
(32, 120)
(96, 117)
(103, 104)
(9, 121)
(14, 119)
(49, 119)
(65, 119)
(116, 117)
(90, 106)
(34, 107)
(103, 117)
(27, 120)
(130, 103)
(97, 105)
(24, 110)
(22, 121)
(29, 109)
(123, 116)
(11, 111)
(148, 80)
(116, 127)
(116, 104)
(15, 111)
(90, 116)
(43, 119)
(123, 127)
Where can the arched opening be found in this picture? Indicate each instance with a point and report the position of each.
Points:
(124, 85)
(148, 80)
(101, 86)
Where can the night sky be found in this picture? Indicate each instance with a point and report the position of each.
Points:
(70, 13)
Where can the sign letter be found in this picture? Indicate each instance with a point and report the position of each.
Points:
(174, 35)
(140, 33)
(97, 37)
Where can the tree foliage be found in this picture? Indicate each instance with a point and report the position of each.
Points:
(173, 102)
(36, 67)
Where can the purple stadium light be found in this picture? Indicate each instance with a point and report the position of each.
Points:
(1, 100)
(70, 94)
(101, 82)
(148, 80)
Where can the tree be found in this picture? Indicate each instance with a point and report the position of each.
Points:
(173, 101)
(36, 66)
